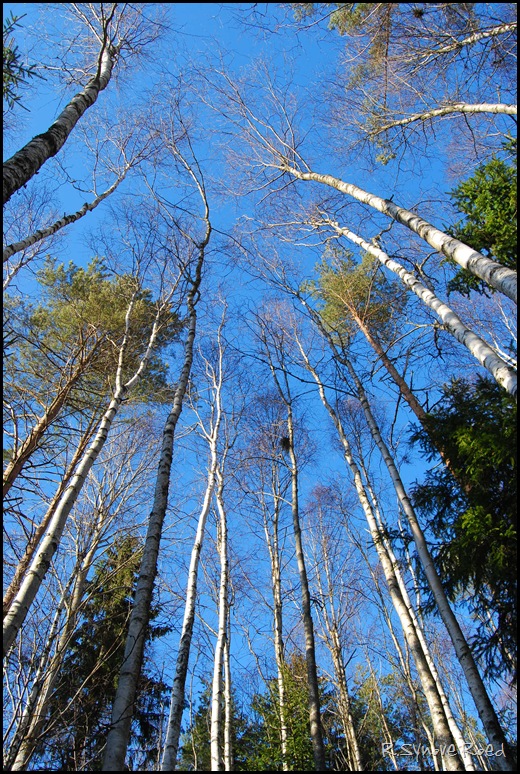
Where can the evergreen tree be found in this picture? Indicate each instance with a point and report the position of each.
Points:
(80, 707)
(488, 202)
(474, 516)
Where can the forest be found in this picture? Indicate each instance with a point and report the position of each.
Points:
(259, 386)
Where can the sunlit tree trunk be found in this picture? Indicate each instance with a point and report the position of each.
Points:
(49, 545)
(217, 756)
(21, 167)
(493, 273)
(39, 532)
(503, 373)
(23, 453)
(442, 731)
(122, 710)
(316, 731)
(478, 691)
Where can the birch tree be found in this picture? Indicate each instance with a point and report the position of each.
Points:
(480, 696)
(115, 31)
(123, 384)
(118, 736)
(214, 372)
(274, 350)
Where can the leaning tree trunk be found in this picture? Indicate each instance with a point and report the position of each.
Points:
(49, 545)
(493, 273)
(503, 374)
(42, 688)
(21, 167)
(32, 545)
(476, 686)
(441, 728)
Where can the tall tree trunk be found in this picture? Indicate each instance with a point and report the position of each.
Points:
(493, 273)
(217, 757)
(276, 582)
(171, 744)
(318, 748)
(49, 545)
(32, 545)
(443, 734)
(122, 710)
(28, 447)
(37, 236)
(21, 167)
(503, 373)
(42, 689)
(476, 686)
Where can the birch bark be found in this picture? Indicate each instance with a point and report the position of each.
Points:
(503, 373)
(49, 545)
(26, 162)
(443, 733)
(493, 273)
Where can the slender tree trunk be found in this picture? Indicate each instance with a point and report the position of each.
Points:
(32, 545)
(228, 705)
(336, 651)
(21, 167)
(503, 373)
(217, 758)
(42, 690)
(122, 710)
(491, 272)
(443, 734)
(43, 233)
(476, 686)
(49, 545)
(318, 748)
(171, 745)
(32, 442)
(445, 110)
(276, 581)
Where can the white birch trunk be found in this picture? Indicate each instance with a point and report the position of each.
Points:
(43, 687)
(43, 233)
(503, 374)
(171, 744)
(493, 273)
(276, 581)
(33, 543)
(476, 686)
(49, 545)
(21, 167)
(228, 707)
(442, 731)
(478, 691)
(446, 110)
(310, 649)
(217, 757)
(122, 708)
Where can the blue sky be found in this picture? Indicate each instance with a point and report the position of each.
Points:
(201, 29)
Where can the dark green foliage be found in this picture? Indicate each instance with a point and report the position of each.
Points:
(80, 710)
(474, 520)
(383, 708)
(195, 752)
(15, 72)
(488, 201)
